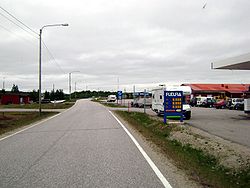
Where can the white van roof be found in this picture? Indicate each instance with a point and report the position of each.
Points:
(186, 89)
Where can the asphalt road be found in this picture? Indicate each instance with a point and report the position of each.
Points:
(231, 125)
(82, 147)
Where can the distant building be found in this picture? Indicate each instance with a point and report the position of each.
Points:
(14, 98)
(219, 90)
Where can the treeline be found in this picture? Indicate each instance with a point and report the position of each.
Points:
(89, 94)
(52, 95)
(60, 95)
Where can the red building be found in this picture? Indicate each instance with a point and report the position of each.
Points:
(14, 98)
(219, 90)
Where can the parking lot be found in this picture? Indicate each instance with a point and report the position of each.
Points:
(232, 125)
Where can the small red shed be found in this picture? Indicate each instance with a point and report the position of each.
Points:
(14, 98)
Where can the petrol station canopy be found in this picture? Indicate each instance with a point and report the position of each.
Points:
(241, 62)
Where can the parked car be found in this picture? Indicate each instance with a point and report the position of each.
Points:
(235, 103)
(200, 100)
(111, 98)
(139, 102)
(220, 104)
(239, 106)
(209, 102)
(193, 101)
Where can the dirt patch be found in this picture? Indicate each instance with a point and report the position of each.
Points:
(5, 118)
(231, 155)
(10, 121)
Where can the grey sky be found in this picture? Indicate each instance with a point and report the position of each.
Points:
(143, 42)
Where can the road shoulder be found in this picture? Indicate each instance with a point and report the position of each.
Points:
(175, 176)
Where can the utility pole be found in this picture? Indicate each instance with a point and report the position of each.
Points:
(118, 82)
(75, 90)
(134, 94)
(70, 86)
(40, 62)
(70, 83)
(144, 101)
(3, 83)
(40, 71)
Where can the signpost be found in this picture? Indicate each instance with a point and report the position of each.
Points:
(119, 96)
(173, 105)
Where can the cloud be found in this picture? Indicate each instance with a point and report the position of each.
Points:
(143, 42)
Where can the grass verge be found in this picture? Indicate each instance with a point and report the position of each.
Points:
(112, 105)
(199, 166)
(36, 106)
(13, 120)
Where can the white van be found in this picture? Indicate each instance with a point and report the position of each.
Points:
(111, 98)
(200, 100)
(158, 99)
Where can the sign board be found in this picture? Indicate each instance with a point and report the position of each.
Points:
(119, 95)
(141, 94)
(173, 105)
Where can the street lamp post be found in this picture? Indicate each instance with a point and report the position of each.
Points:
(70, 83)
(40, 61)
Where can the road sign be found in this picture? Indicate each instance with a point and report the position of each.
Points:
(173, 105)
(119, 95)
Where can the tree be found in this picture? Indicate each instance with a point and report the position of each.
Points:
(59, 95)
(52, 95)
(46, 95)
(34, 95)
(15, 89)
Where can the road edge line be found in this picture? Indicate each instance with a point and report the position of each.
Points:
(145, 155)
(42, 121)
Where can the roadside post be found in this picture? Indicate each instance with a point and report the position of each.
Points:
(124, 97)
(144, 101)
(173, 105)
(134, 94)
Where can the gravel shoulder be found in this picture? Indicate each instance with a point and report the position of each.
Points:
(229, 154)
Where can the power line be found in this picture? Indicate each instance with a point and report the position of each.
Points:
(18, 20)
(30, 30)
(51, 55)
(18, 36)
(17, 25)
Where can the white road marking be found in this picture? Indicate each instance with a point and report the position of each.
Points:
(145, 155)
(40, 122)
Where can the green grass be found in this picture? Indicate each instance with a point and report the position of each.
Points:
(36, 106)
(199, 166)
(112, 105)
(12, 120)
